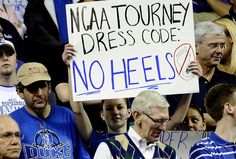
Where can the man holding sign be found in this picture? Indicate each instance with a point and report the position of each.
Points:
(115, 112)
(124, 47)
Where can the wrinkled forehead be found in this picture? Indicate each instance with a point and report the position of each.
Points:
(7, 124)
(214, 38)
(158, 111)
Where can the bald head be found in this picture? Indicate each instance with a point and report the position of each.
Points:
(10, 145)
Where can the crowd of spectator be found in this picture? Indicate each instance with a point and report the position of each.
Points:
(35, 90)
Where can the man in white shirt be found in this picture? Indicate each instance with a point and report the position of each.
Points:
(150, 112)
(9, 99)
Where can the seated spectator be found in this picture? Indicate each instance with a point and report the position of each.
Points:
(210, 45)
(220, 103)
(10, 145)
(228, 61)
(9, 99)
(194, 120)
(150, 113)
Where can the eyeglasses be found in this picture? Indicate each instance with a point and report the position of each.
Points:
(216, 45)
(34, 87)
(158, 121)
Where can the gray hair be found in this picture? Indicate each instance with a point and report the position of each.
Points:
(148, 98)
(207, 28)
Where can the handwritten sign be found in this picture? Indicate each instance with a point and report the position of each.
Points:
(126, 46)
(182, 141)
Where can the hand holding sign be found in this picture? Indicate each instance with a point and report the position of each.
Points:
(124, 47)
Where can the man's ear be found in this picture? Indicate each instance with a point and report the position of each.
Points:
(197, 48)
(204, 125)
(102, 115)
(136, 115)
(49, 88)
(228, 108)
(129, 112)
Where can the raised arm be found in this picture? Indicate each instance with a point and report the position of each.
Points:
(180, 112)
(182, 108)
(82, 120)
(221, 8)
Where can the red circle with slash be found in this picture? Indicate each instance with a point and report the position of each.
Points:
(183, 55)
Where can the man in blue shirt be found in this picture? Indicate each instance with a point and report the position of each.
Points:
(49, 130)
(220, 104)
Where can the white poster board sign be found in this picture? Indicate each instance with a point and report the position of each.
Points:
(182, 141)
(125, 46)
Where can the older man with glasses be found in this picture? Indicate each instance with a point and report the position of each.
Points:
(150, 112)
(210, 44)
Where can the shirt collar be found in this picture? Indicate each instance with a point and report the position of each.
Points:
(218, 139)
(138, 141)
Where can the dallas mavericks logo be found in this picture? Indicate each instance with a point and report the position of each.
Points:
(46, 139)
(46, 145)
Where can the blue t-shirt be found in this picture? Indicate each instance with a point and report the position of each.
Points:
(54, 137)
(213, 147)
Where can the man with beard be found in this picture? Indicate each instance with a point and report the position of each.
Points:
(9, 99)
(49, 130)
(210, 44)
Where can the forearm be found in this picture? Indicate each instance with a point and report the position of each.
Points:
(180, 112)
(219, 7)
(82, 120)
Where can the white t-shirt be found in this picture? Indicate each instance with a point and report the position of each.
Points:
(9, 100)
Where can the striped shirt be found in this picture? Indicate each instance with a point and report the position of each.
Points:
(213, 147)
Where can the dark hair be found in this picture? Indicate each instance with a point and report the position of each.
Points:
(20, 87)
(198, 109)
(126, 101)
(216, 98)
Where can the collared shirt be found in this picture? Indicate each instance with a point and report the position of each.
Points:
(104, 152)
(146, 149)
(213, 147)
